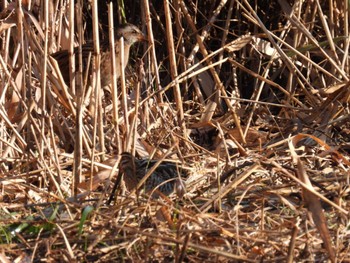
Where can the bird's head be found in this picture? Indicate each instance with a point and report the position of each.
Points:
(127, 162)
(131, 34)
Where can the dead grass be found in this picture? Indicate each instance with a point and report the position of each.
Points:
(250, 97)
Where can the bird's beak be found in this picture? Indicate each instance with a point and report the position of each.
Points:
(143, 37)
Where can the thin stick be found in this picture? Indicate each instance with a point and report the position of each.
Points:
(114, 73)
(173, 67)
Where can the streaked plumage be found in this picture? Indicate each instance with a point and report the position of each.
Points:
(164, 179)
(131, 35)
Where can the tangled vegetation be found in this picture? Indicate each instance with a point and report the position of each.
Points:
(251, 98)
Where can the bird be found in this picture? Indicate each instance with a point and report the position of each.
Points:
(163, 180)
(131, 35)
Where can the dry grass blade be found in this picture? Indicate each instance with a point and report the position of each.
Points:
(229, 187)
(291, 248)
(173, 68)
(313, 203)
(310, 189)
(239, 43)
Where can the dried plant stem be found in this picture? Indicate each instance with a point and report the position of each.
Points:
(114, 74)
(154, 63)
(221, 89)
(173, 67)
(78, 146)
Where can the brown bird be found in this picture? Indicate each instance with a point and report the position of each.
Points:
(163, 180)
(131, 35)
